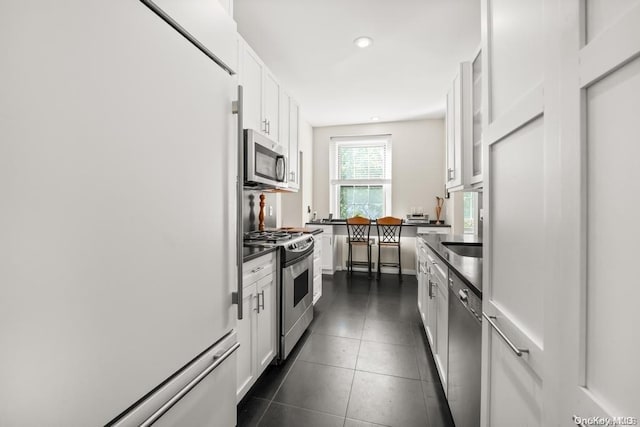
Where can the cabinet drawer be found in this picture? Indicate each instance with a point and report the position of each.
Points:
(258, 268)
(437, 267)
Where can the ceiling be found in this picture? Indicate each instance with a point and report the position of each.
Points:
(403, 75)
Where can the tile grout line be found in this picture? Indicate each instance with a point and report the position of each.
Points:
(353, 380)
(280, 386)
(288, 405)
(424, 396)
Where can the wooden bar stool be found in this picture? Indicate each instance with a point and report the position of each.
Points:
(389, 230)
(358, 231)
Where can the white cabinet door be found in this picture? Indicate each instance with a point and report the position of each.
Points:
(517, 160)
(246, 368)
(420, 290)
(474, 148)
(441, 295)
(251, 80)
(317, 271)
(266, 330)
(271, 105)
(600, 112)
(451, 146)
(294, 166)
(328, 241)
(284, 123)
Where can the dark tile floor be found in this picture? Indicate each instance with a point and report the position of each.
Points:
(363, 362)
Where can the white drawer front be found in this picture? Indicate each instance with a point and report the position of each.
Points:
(258, 268)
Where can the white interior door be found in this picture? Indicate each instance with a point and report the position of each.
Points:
(601, 128)
(515, 198)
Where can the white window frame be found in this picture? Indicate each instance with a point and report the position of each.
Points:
(335, 183)
(474, 214)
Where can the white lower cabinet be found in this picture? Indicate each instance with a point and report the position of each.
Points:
(329, 247)
(429, 303)
(441, 356)
(257, 331)
(433, 305)
(317, 269)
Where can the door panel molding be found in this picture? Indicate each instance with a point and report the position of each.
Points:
(611, 49)
(526, 110)
(518, 334)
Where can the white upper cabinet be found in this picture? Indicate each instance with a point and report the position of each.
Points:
(269, 109)
(251, 80)
(451, 123)
(289, 124)
(261, 94)
(474, 149)
(464, 128)
(294, 154)
(271, 106)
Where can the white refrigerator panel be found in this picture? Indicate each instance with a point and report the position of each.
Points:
(117, 152)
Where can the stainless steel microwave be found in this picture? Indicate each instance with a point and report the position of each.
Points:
(265, 162)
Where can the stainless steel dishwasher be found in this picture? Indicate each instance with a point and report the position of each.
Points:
(465, 349)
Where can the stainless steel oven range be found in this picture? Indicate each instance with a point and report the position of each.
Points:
(295, 283)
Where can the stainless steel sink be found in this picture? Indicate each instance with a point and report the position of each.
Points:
(465, 249)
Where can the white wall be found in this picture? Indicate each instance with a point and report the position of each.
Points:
(417, 169)
(293, 207)
(454, 212)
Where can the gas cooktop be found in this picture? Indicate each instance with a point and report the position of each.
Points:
(272, 237)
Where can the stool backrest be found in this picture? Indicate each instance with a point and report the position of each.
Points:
(358, 229)
(389, 229)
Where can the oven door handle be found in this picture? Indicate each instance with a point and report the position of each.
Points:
(302, 256)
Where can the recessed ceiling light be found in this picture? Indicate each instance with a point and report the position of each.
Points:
(363, 41)
(375, 118)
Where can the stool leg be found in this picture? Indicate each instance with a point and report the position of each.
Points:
(379, 259)
(369, 258)
(399, 263)
(349, 266)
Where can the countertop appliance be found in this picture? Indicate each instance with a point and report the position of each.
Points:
(465, 349)
(295, 282)
(118, 207)
(265, 164)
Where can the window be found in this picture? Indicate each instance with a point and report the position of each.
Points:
(470, 213)
(361, 176)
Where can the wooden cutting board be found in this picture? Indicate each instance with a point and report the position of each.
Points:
(297, 229)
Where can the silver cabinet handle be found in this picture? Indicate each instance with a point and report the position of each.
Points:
(217, 360)
(451, 174)
(255, 270)
(172, 22)
(264, 127)
(237, 108)
(261, 305)
(516, 350)
(430, 289)
(463, 294)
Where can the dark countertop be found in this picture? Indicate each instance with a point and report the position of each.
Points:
(404, 224)
(469, 269)
(252, 252)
